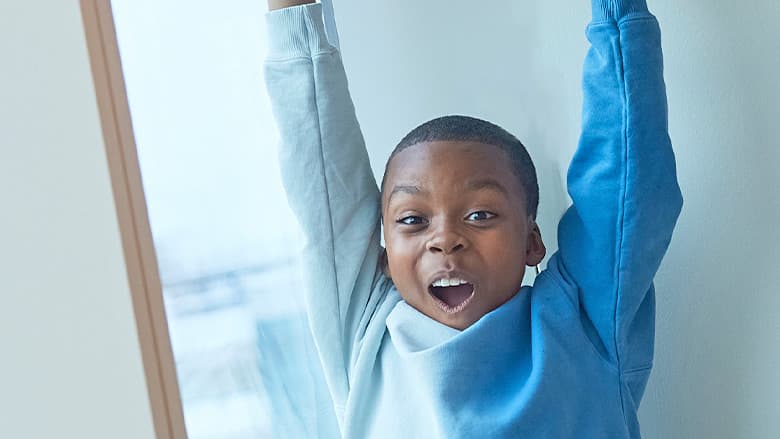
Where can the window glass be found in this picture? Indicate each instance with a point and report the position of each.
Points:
(226, 241)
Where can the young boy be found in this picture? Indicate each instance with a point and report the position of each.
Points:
(437, 338)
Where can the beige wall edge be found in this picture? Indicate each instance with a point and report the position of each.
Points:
(140, 257)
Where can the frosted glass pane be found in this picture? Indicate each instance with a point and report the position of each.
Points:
(227, 243)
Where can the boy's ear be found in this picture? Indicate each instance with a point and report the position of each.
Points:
(534, 248)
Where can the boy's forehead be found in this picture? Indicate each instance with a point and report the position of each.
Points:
(425, 160)
(457, 162)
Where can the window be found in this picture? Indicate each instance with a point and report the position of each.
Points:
(226, 242)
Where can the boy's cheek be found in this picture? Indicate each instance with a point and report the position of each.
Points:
(395, 268)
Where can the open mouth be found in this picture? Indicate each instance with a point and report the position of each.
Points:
(454, 297)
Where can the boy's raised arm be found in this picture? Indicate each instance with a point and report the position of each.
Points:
(623, 183)
(329, 183)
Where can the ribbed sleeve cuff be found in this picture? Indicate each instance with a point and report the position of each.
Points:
(297, 31)
(614, 10)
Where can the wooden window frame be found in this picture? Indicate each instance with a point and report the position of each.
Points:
(140, 257)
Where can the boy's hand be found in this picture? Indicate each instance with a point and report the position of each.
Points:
(281, 4)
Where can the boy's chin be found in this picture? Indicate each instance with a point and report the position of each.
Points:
(460, 324)
(459, 315)
(466, 317)
(460, 321)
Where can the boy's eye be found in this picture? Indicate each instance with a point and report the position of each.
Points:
(411, 220)
(481, 215)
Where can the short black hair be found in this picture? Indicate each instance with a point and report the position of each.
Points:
(470, 129)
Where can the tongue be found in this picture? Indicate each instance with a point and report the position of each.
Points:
(454, 296)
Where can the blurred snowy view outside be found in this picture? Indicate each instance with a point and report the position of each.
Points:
(227, 244)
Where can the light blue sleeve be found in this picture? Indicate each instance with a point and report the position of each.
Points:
(622, 180)
(329, 184)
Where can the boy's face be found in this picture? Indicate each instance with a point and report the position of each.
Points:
(456, 210)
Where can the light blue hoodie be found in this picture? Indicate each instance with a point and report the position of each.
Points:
(566, 358)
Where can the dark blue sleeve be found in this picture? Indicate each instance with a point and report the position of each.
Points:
(623, 184)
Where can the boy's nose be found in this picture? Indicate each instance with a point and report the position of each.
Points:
(446, 242)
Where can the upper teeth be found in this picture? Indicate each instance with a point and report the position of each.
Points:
(452, 282)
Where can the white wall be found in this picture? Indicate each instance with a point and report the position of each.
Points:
(518, 63)
(70, 364)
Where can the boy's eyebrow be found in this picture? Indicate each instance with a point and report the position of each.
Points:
(408, 189)
(472, 185)
(486, 183)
